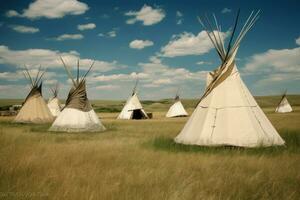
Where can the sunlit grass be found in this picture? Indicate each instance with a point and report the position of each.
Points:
(292, 139)
(139, 160)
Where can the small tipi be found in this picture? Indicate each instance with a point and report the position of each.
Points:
(227, 113)
(133, 108)
(78, 114)
(284, 106)
(34, 109)
(53, 102)
(177, 109)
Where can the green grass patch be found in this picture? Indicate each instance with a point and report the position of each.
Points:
(292, 139)
(108, 109)
(147, 102)
(39, 127)
(4, 124)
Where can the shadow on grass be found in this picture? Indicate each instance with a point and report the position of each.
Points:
(32, 127)
(44, 128)
(292, 139)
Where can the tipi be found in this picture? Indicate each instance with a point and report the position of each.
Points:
(34, 109)
(284, 106)
(53, 102)
(78, 114)
(177, 109)
(227, 113)
(133, 108)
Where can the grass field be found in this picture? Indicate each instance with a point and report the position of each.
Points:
(137, 160)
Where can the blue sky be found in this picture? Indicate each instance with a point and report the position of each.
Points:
(160, 42)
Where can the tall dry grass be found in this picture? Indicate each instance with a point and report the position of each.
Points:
(137, 160)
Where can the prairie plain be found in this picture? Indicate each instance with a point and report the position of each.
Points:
(138, 159)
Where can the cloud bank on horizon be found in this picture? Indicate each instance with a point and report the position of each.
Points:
(162, 45)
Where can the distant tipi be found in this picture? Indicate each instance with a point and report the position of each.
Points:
(133, 108)
(34, 109)
(177, 109)
(53, 102)
(284, 105)
(78, 114)
(227, 113)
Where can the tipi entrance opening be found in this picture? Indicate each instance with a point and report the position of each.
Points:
(138, 114)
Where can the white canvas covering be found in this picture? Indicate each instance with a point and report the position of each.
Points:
(34, 110)
(132, 105)
(54, 106)
(74, 120)
(227, 113)
(284, 106)
(177, 110)
(78, 114)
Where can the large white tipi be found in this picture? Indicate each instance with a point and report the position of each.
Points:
(133, 108)
(227, 113)
(177, 109)
(78, 114)
(284, 105)
(53, 102)
(34, 109)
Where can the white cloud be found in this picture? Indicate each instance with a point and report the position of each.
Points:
(140, 44)
(155, 59)
(83, 27)
(4, 87)
(226, 10)
(179, 14)
(11, 76)
(147, 15)
(50, 82)
(24, 29)
(283, 60)
(112, 34)
(5, 90)
(153, 75)
(108, 78)
(50, 59)
(188, 44)
(12, 13)
(69, 37)
(162, 81)
(298, 40)
(275, 69)
(203, 63)
(118, 77)
(107, 87)
(18, 75)
(179, 18)
(275, 83)
(105, 16)
(51, 9)
(167, 79)
(109, 34)
(278, 78)
(179, 21)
